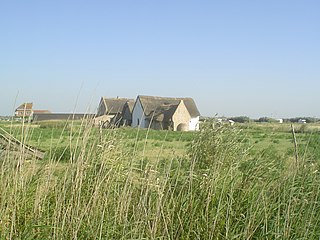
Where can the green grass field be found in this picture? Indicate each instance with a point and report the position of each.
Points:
(227, 182)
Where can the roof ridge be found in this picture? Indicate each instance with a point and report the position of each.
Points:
(177, 98)
(115, 98)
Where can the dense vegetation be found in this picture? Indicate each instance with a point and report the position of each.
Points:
(225, 182)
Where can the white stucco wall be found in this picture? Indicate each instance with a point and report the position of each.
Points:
(194, 124)
(137, 113)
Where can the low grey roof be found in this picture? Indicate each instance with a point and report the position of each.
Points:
(151, 103)
(61, 116)
(115, 105)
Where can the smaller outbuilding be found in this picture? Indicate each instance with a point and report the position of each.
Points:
(231, 122)
(302, 121)
(279, 120)
(114, 111)
(24, 110)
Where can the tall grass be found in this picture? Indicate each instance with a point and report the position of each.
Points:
(105, 190)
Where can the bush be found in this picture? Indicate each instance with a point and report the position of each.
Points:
(241, 119)
(267, 120)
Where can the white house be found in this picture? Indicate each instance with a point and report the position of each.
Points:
(280, 120)
(178, 114)
(302, 121)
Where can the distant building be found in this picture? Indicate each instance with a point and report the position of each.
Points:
(26, 110)
(114, 111)
(40, 111)
(302, 121)
(37, 117)
(178, 114)
(231, 122)
(280, 120)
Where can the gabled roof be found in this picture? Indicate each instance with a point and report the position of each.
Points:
(25, 106)
(130, 104)
(163, 112)
(114, 105)
(151, 103)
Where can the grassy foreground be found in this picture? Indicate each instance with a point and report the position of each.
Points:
(225, 182)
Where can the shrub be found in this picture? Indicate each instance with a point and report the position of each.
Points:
(241, 119)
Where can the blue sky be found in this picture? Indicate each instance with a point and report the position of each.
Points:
(254, 58)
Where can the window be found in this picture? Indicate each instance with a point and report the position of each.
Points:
(138, 120)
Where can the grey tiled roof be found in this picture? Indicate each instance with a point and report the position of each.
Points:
(151, 103)
(163, 112)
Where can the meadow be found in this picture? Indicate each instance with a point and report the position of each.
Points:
(225, 182)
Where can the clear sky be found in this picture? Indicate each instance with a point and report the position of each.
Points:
(253, 58)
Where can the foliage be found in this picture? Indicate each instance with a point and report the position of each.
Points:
(217, 145)
(267, 120)
(108, 188)
(308, 119)
(241, 119)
